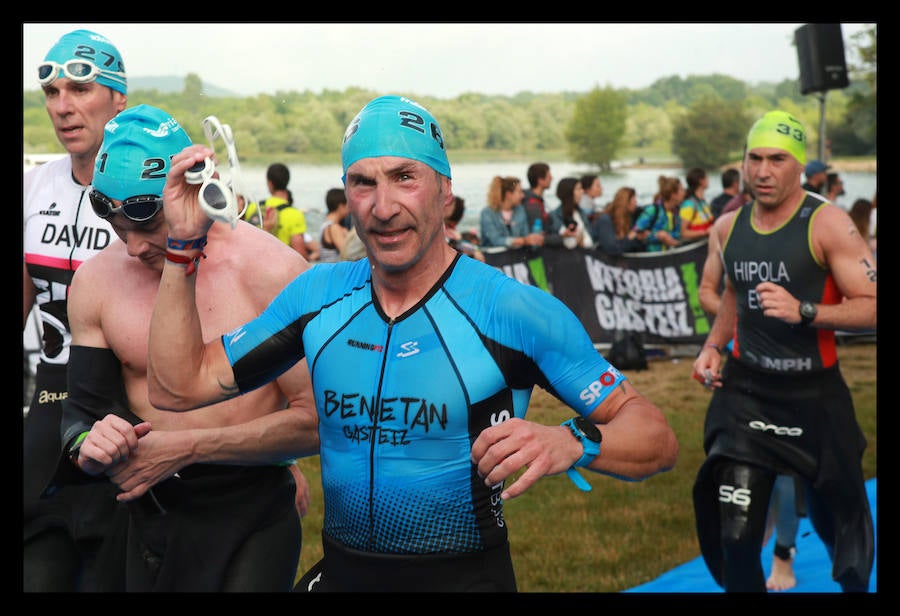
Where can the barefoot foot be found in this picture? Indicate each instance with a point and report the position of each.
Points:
(782, 577)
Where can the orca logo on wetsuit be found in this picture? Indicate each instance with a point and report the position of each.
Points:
(762, 426)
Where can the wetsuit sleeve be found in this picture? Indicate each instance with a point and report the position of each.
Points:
(95, 389)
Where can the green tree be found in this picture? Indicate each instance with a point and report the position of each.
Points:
(463, 130)
(857, 134)
(291, 124)
(503, 131)
(40, 137)
(193, 92)
(789, 88)
(549, 115)
(597, 127)
(709, 133)
(647, 127)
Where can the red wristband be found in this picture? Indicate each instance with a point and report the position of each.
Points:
(191, 262)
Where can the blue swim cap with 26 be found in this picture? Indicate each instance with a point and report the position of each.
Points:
(96, 49)
(395, 126)
(135, 157)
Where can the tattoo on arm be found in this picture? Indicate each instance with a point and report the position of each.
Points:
(871, 272)
(229, 390)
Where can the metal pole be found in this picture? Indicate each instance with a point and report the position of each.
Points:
(822, 126)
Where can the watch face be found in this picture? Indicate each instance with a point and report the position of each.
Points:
(589, 429)
(808, 310)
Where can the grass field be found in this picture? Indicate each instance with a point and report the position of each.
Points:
(621, 534)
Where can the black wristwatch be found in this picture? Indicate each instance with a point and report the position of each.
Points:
(808, 312)
(590, 437)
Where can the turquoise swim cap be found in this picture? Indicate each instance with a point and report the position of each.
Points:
(395, 126)
(96, 49)
(137, 148)
(779, 129)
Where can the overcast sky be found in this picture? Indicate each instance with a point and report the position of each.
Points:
(440, 60)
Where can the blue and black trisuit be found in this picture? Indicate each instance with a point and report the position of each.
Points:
(400, 401)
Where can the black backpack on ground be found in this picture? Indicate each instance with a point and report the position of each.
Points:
(627, 352)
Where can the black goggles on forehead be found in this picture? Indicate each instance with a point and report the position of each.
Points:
(136, 209)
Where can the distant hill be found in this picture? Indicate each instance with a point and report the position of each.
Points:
(169, 84)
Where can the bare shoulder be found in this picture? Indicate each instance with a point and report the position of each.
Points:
(831, 223)
(724, 220)
(834, 234)
(247, 250)
(105, 266)
(112, 279)
(721, 226)
(830, 213)
(250, 238)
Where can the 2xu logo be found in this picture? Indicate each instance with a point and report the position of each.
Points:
(779, 430)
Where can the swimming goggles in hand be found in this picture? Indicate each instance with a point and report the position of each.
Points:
(219, 195)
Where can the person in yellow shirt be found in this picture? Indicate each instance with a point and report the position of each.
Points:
(279, 216)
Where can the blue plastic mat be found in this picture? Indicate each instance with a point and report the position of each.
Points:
(812, 567)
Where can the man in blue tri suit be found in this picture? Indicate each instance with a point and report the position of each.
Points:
(422, 361)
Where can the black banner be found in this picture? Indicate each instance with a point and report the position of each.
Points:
(654, 294)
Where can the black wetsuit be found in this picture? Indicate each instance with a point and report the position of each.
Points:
(784, 408)
(210, 528)
(62, 534)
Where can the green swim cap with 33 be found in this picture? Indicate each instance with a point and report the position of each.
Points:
(395, 126)
(779, 129)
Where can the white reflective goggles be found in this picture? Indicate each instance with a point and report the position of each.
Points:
(79, 71)
(219, 196)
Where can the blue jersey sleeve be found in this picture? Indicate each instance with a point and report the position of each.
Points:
(555, 339)
(263, 349)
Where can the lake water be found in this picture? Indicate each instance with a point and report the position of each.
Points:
(309, 183)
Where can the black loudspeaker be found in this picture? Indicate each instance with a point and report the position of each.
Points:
(820, 50)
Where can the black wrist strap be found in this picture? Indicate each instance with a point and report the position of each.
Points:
(74, 448)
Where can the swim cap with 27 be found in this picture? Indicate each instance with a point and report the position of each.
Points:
(395, 126)
(779, 129)
(96, 49)
(137, 148)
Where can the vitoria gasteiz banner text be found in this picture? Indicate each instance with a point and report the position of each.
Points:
(654, 294)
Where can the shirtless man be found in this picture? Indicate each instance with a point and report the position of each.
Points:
(211, 498)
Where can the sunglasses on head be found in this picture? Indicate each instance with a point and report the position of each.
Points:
(79, 71)
(136, 209)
